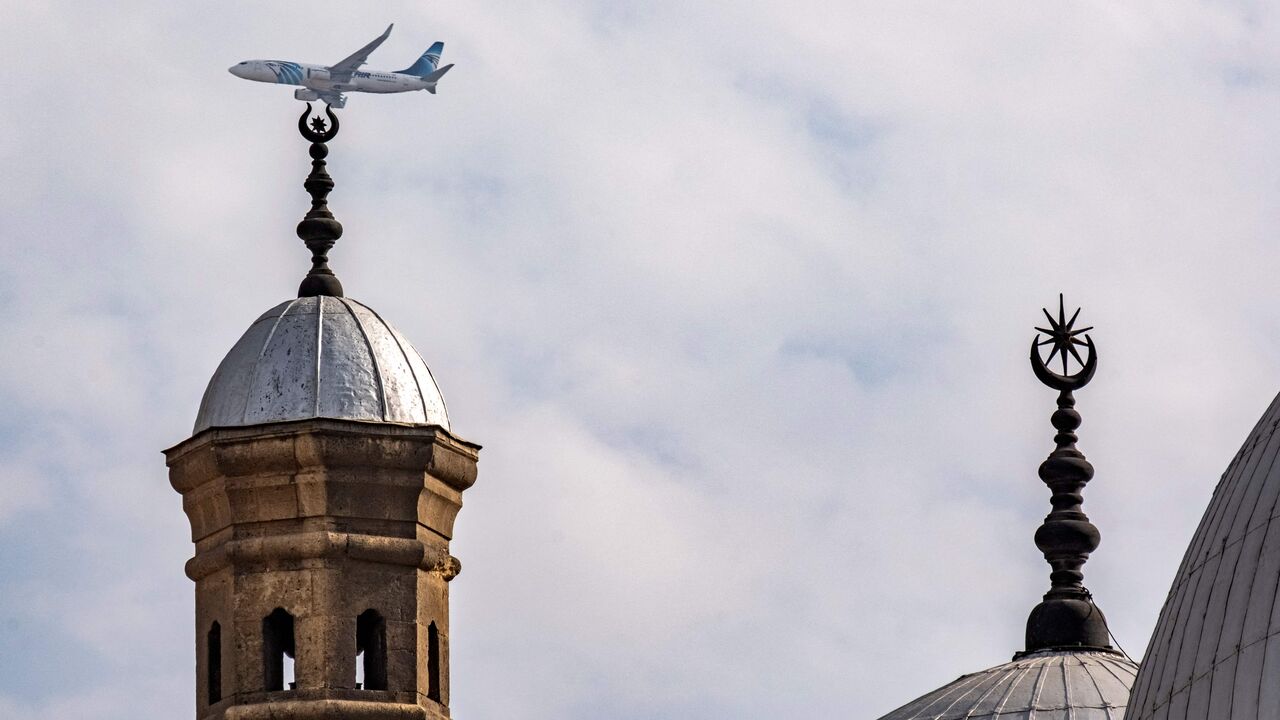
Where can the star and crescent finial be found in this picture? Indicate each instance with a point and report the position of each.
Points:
(319, 229)
(316, 129)
(1067, 617)
(1064, 336)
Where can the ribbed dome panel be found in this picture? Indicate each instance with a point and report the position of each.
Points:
(1053, 685)
(1215, 651)
(324, 357)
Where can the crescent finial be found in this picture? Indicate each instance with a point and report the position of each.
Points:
(318, 131)
(1064, 337)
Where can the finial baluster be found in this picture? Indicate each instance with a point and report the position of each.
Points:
(319, 229)
(1067, 617)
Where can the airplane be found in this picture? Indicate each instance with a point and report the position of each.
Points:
(329, 82)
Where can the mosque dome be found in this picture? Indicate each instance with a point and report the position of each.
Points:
(1050, 685)
(1215, 651)
(321, 357)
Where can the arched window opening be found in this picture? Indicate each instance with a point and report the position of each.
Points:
(433, 662)
(277, 644)
(213, 662)
(371, 650)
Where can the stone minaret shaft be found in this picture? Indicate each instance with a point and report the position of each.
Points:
(325, 543)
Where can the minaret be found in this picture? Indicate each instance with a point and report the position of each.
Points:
(321, 483)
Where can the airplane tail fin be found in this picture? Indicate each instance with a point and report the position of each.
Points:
(427, 63)
(435, 77)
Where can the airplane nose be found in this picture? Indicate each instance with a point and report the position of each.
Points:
(237, 70)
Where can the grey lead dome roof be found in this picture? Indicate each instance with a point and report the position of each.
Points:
(321, 357)
(1215, 652)
(1050, 685)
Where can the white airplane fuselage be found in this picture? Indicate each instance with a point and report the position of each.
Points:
(330, 82)
(318, 78)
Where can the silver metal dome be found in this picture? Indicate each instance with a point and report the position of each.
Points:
(1215, 652)
(326, 357)
(1051, 685)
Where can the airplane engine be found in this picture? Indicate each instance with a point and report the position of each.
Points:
(305, 94)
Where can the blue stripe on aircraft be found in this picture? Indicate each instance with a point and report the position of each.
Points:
(287, 73)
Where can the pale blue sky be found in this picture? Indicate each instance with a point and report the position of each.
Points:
(737, 297)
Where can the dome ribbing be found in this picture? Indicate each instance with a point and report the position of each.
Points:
(1075, 685)
(321, 357)
(1215, 652)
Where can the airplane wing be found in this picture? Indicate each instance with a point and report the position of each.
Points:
(342, 71)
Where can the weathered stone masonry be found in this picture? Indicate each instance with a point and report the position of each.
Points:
(316, 539)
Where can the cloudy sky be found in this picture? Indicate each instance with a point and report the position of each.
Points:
(736, 295)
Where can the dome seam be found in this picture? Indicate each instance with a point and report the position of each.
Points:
(984, 696)
(319, 351)
(1257, 561)
(1097, 688)
(1004, 699)
(1066, 682)
(1186, 687)
(961, 690)
(377, 367)
(1242, 477)
(422, 398)
(257, 364)
(1038, 687)
(1181, 631)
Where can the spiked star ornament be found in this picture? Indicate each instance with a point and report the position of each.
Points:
(1062, 335)
(1064, 338)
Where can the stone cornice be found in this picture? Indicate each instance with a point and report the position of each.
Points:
(315, 545)
(321, 443)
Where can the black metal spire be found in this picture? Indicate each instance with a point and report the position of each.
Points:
(319, 230)
(1067, 617)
